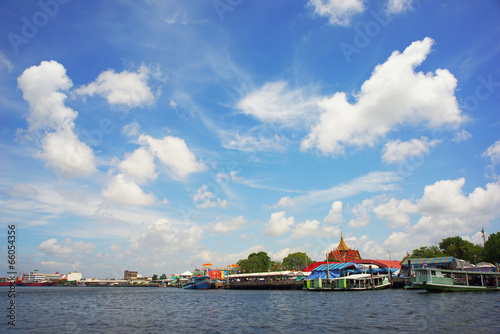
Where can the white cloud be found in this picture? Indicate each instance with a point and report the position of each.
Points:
(444, 210)
(394, 94)
(258, 140)
(307, 228)
(229, 225)
(279, 224)
(174, 153)
(124, 191)
(124, 88)
(22, 190)
(493, 152)
(131, 129)
(162, 237)
(65, 153)
(67, 248)
(398, 6)
(362, 213)
(222, 259)
(372, 182)
(274, 103)
(335, 214)
(462, 136)
(41, 86)
(139, 166)
(338, 12)
(4, 61)
(395, 212)
(396, 151)
(204, 199)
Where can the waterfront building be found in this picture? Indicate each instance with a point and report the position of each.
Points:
(73, 276)
(34, 276)
(130, 275)
(343, 253)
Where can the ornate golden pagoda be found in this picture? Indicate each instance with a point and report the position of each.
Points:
(343, 253)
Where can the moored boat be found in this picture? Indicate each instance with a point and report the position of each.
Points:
(357, 282)
(198, 282)
(432, 279)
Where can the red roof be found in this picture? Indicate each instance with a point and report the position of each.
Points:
(380, 263)
(314, 265)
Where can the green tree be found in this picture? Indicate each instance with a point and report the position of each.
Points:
(163, 276)
(155, 277)
(492, 248)
(461, 249)
(256, 262)
(297, 261)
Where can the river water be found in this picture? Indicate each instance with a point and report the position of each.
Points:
(172, 310)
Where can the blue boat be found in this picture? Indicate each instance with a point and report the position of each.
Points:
(198, 282)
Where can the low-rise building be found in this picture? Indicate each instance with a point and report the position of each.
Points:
(130, 275)
(73, 276)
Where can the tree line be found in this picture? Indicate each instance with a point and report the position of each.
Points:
(261, 262)
(462, 249)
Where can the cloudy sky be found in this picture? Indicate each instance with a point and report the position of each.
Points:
(158, 135)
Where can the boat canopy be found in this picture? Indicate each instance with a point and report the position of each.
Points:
(334, 268)
(429, 262)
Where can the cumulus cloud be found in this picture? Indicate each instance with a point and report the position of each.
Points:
(229, 225)
(122, 190)
(279, 224)
(66, 249)
(493, 153)
(362, 213)
(174, 153)
(162, 237)
(314, 228)
(395, 94)
(124, 88)
(64, 151)
(139, 166)
(396, 151)
(338, 12)
(204, 198)
(42, 88)
(335, 214)
(444, 210)
(274, 103)
(395, 212)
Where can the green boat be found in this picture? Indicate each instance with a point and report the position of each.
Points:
(440, 280)
(355, 282)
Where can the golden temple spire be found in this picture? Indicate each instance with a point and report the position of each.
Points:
(342, 246)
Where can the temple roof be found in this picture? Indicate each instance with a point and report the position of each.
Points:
(342, 246)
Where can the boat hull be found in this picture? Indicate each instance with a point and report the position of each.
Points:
(440, 280)
(455, 288)
(202, 285)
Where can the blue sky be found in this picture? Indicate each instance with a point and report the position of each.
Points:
(160, 135)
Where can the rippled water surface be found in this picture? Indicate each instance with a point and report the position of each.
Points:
(172, 310)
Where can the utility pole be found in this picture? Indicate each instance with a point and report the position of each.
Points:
(484, 239)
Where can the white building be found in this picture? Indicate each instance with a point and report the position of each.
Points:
(73, 276)
(34, 276)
